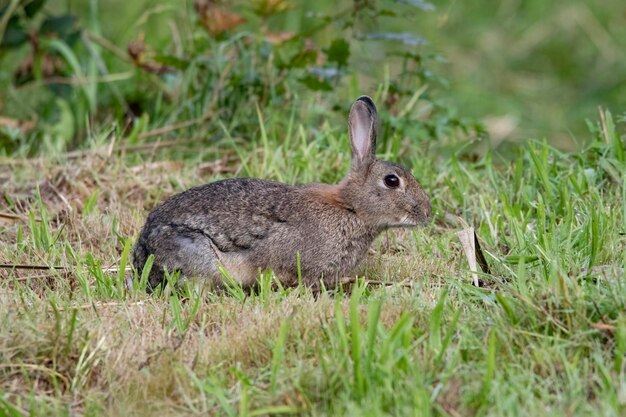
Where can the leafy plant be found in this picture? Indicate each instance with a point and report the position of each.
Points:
(26, 27)
(236, 56)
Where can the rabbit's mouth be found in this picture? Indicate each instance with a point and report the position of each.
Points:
(408, 220)
(413, 219)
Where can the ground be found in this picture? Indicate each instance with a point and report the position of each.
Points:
(509, 113)
(544, 335)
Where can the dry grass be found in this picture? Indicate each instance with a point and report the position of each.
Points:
(545, 336)
(61, 347)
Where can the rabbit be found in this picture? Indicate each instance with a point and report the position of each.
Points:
(248, 225)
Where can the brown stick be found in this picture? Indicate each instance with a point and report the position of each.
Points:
(11, 218)
(33, 267)
(353, 280)
(58, 268)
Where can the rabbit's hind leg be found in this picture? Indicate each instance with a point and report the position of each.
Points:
(180, 248)
(140, 256)
(196, 256)
(193, 253)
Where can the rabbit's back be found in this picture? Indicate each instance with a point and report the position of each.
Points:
(235, 213)
(249, 225)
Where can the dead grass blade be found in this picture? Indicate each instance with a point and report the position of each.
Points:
(466, 236)
(102, 305)
(11, 218)
(36, 367)
(375, 283)
(471, 247)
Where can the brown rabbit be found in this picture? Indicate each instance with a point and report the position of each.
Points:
(248, 225)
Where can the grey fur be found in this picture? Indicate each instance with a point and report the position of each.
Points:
(249, 225)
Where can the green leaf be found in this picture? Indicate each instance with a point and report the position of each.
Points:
(33, 7)
(315, 84)
(60, 25)
(338, 52)
(15, 35)
(300, 60)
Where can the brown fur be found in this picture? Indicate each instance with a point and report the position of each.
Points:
(326, 193)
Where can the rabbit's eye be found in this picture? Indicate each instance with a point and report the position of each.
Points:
(392, 181)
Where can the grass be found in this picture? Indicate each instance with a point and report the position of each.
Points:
(546, 335)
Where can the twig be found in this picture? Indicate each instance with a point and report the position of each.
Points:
(353, 280)
(11, 218)
(32, 277)
(113, 269)
(33, 267)
(106, 304)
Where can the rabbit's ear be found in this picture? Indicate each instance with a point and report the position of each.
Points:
(362, 126)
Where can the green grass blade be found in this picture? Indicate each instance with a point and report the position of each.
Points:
(373, 318)
(121, 273)
(145, 273)
(435, 325)
(355, 339)
(490, 368)
(278, 352)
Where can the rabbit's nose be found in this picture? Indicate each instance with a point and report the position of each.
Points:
(423, 210)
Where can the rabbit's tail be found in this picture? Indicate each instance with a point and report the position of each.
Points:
(140, 256)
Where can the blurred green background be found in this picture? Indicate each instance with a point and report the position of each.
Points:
(542, 66)
(508, 70)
